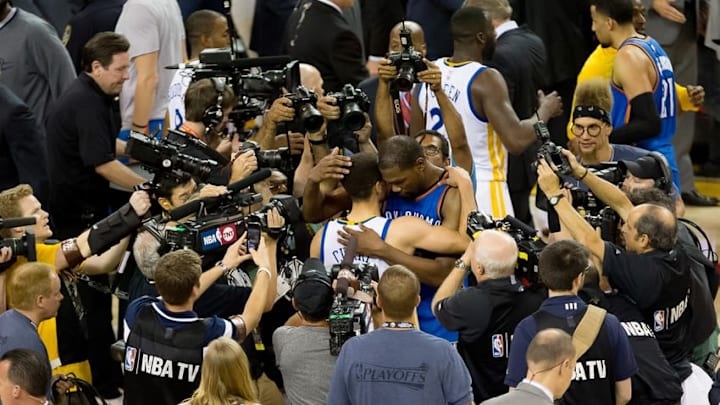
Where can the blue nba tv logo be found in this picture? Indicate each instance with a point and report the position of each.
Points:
(498, 346)
(659, 320)
(130, 356)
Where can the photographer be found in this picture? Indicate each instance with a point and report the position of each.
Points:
(302, 350)
(651, 270)
(397, 363)
(486, 315)
(149, 321)
(208, 103)
(66, 335)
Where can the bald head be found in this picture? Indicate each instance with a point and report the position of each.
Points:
(496, 252)
(548, 348)
(658, 223)
(311, 78)
(416, 34)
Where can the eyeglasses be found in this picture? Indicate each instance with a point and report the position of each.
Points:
(431, 150)
(592, 130)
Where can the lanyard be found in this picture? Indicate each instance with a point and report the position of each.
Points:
(398, 325)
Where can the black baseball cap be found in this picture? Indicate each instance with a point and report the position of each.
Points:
(313, 292)
(644, 168)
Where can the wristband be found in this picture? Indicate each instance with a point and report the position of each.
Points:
(264, 270)
(71, 251)
(584, 174)
(322, 141)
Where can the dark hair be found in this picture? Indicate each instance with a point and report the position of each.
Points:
(400, 151)
(29, 370)
(469, 21)
(176, 274)
(444, 144)
(550, 347)
(651, 195)
(653, 223)
(167, 182)
(561, 262)
(619, 10)
(200, 23)
(364, 174)
(102, 47)
(201, 95)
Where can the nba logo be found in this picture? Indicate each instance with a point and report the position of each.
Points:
(498, 347)
(130, 356)
(659, 320)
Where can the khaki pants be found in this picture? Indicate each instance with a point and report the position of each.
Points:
(268, 392)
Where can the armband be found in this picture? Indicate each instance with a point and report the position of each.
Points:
(109, 231)
(240, 327)
(71, 251)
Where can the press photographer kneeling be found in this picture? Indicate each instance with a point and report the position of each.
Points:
(652, 269)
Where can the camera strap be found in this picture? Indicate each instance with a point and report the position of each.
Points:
(587, 330)
(399, 122)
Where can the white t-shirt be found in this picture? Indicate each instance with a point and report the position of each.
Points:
(176, 95)
(151, 26)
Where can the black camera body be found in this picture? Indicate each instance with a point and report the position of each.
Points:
(353, 103)
(271, 158)
(528, 243)
(351, 317)
(594, 210)
(163, 156)
(287, 208)
(551, 152)
(304, 102)
(408, 62)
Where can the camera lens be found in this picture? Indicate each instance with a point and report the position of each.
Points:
(405, 77)
(311, 117)
(352, 117)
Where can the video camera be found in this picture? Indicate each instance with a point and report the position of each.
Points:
(164, 156)
(528, 243)
(24, 246)
(350, 316)
(408, 62)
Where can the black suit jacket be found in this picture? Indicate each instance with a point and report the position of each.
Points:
(23, 158)
(520, 56)
(317, 34)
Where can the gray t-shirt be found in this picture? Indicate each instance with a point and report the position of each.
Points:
(151, 26)
(34, 63)
(399, 367)
(303, 356)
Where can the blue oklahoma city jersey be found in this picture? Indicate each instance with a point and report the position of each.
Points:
(428, 208)
(664, 96)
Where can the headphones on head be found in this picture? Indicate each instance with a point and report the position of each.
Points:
(312, 275)
(212, 116)
(665, 183)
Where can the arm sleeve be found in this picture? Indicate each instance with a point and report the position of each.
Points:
(139, 25)
(347, 59)
(26, 144)
(218, 327)
(517, 366)
(644, 121)
(625, 364)
(461, 312)
(632, 274)
(457, 383)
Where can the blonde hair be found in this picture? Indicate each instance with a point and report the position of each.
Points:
(27, 282)
(398, 289)
(9, 204)
(225, 376)
(594, 92)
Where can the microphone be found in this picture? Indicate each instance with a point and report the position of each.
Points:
(16, 222)
(244, 63)
(188, 209)
(258, 176)
(528, 231)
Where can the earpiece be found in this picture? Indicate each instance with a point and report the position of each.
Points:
(212, 116)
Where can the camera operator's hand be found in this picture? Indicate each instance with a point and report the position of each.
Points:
(261, 256)
(578, 170)
(237, 253)
(363, 134)
(5, 254)
(549, 105)
(327, 105)
(244, 164)
(140, 202)
(275, 223)
(696, 94)
(431, 76)
(369, 243)
(60, 384)
(547, 180)
(386, 71)
(456, 175)
(295, 141)
(211, 190)
(281, 110)
(332, 166)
